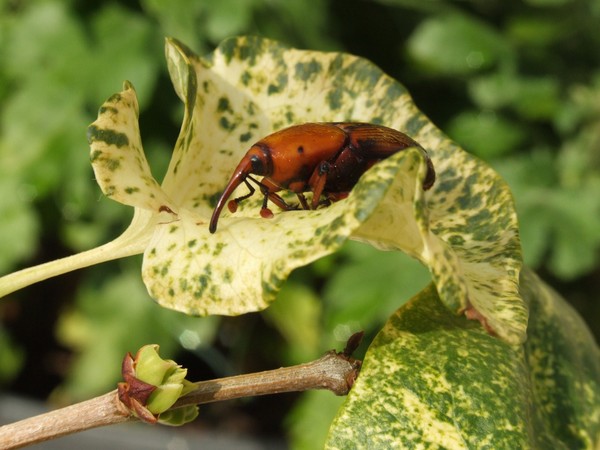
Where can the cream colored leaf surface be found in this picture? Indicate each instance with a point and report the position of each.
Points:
(431, 380)
(463, 229)
(117, 155)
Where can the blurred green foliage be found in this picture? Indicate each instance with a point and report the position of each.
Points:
(517, 84)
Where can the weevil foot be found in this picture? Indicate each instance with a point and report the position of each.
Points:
(232, 205)
(266, 213)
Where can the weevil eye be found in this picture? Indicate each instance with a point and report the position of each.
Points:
(257, 165)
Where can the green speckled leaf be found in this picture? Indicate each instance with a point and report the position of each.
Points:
(432, 380)
(464, 229)
(564, 367)
(117, 156)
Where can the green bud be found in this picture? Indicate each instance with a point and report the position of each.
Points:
(179, 416)
(150, 367)
(164, 397)
(165, 374)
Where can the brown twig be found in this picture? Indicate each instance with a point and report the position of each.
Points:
(333, 371)
(93, 413)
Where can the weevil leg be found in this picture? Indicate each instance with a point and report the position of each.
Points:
(265, 212)
(281, 202)
(303, 201)
(233, 204)
(268, 189)
(317, 182)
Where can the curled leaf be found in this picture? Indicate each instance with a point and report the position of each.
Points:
(464, 229)
(117, 156)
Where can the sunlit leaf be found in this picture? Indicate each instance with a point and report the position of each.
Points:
(432, 380)
(118, 159)
(463, 230)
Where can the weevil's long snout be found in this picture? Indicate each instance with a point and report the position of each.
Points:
(238, 177)
(256, 161)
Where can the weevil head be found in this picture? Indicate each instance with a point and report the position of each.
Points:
(257, 161)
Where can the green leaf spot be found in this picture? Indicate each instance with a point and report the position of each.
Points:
(110, 137)
(305, 71)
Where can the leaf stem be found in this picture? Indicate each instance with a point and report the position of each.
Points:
(132, 242)
(333, 371)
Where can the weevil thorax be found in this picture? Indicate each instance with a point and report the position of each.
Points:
(297, 150)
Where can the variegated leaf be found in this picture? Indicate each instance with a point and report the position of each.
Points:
(118, 159)
(431, 380)
(464, 229)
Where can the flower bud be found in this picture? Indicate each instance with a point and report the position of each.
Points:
(167, 379)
